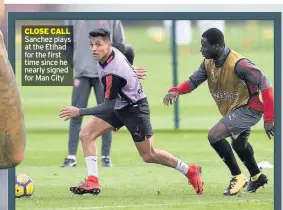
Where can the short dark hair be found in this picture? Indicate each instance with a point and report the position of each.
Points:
(214, 36)
(127, 50)
(103, 32)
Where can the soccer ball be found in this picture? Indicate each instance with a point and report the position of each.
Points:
(24, 186)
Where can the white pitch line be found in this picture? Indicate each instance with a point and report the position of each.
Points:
(152, 205)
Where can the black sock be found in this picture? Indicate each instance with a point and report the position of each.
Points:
(247, 157)
(224, 150)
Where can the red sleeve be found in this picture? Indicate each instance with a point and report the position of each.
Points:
(112, 85)
(182, 88)
(108, 86)
(268, 104)
(195, 80)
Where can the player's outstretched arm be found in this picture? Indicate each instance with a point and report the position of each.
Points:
(196, 79)
(12, 127)
(105, 107)
(249, 72)
(113, 85)
(71, 111)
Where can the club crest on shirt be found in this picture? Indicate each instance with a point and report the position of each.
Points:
(76, 82)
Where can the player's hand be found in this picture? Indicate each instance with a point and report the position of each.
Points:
(170, 97)
(141, 72)
(69, 112)
(269, 129)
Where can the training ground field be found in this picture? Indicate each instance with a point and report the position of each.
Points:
(130, 183)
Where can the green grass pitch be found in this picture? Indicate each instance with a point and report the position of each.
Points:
(130, 183)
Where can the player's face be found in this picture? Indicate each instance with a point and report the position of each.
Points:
(207, 50)
(100, 48)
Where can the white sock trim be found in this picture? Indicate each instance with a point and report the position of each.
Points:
(182, 167)
(73, 157)
(91, 164)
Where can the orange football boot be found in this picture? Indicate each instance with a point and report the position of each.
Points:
(194, 177)
(90, 185)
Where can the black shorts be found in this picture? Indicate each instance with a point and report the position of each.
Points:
(136, 118)
(240, 120)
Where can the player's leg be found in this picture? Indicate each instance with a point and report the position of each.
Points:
(137, 120)
(245, 150)
(80, 96)
(150, 154)
(217, 138)
(106, 137)
(95, 128)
